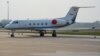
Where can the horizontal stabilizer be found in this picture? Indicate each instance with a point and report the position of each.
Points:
(84, 6)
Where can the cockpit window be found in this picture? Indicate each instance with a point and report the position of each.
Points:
(15, 22)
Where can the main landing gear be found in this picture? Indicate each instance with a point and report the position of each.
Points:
(54, 33)
(41, 33)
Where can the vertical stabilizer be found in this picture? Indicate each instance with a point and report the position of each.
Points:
(72, 14)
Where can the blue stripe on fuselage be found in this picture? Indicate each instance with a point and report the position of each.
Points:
(37, 27)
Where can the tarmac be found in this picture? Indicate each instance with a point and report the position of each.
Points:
(30, 44)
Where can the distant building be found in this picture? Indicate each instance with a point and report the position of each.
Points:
(4, 22)
(80, 25)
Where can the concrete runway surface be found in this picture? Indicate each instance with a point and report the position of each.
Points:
(30, 44)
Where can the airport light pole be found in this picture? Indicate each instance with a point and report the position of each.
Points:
(8, 10)
(94, 32)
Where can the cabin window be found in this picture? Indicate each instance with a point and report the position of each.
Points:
(33, 23)
(29, 23)
(46, 23)
(37, 23)
(41, 23)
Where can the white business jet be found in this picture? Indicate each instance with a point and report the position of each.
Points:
(42, 25)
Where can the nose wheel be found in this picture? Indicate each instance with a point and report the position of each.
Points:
(12, 34)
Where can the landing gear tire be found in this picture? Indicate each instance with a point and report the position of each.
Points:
(12, 35)
(54, 33)
(41, 33)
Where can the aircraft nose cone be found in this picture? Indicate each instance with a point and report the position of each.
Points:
(7, 26)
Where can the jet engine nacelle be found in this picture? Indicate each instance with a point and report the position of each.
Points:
(58, 22)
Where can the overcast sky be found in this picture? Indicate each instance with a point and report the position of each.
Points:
(34, 9)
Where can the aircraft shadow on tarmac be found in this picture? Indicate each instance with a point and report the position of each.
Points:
(37, 36)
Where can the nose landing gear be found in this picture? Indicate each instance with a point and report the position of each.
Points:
(12, 34)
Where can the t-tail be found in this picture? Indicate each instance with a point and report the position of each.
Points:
(72, 14)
